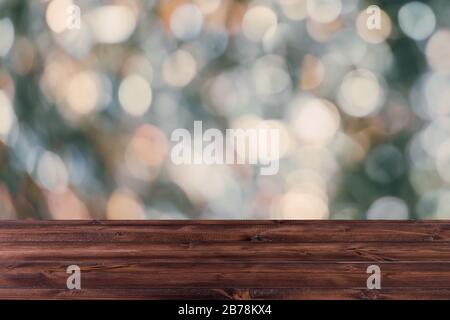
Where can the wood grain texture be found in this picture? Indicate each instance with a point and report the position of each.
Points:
(224, 259)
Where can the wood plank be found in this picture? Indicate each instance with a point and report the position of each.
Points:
(134, 276)
(227, 252)
(225, 259)
(223, 231)
(230, 294)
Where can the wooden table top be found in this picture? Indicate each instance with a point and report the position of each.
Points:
(224, 259)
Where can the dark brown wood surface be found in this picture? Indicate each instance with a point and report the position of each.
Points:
(224, 260)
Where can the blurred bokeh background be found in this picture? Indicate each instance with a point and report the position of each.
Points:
(86, 114)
